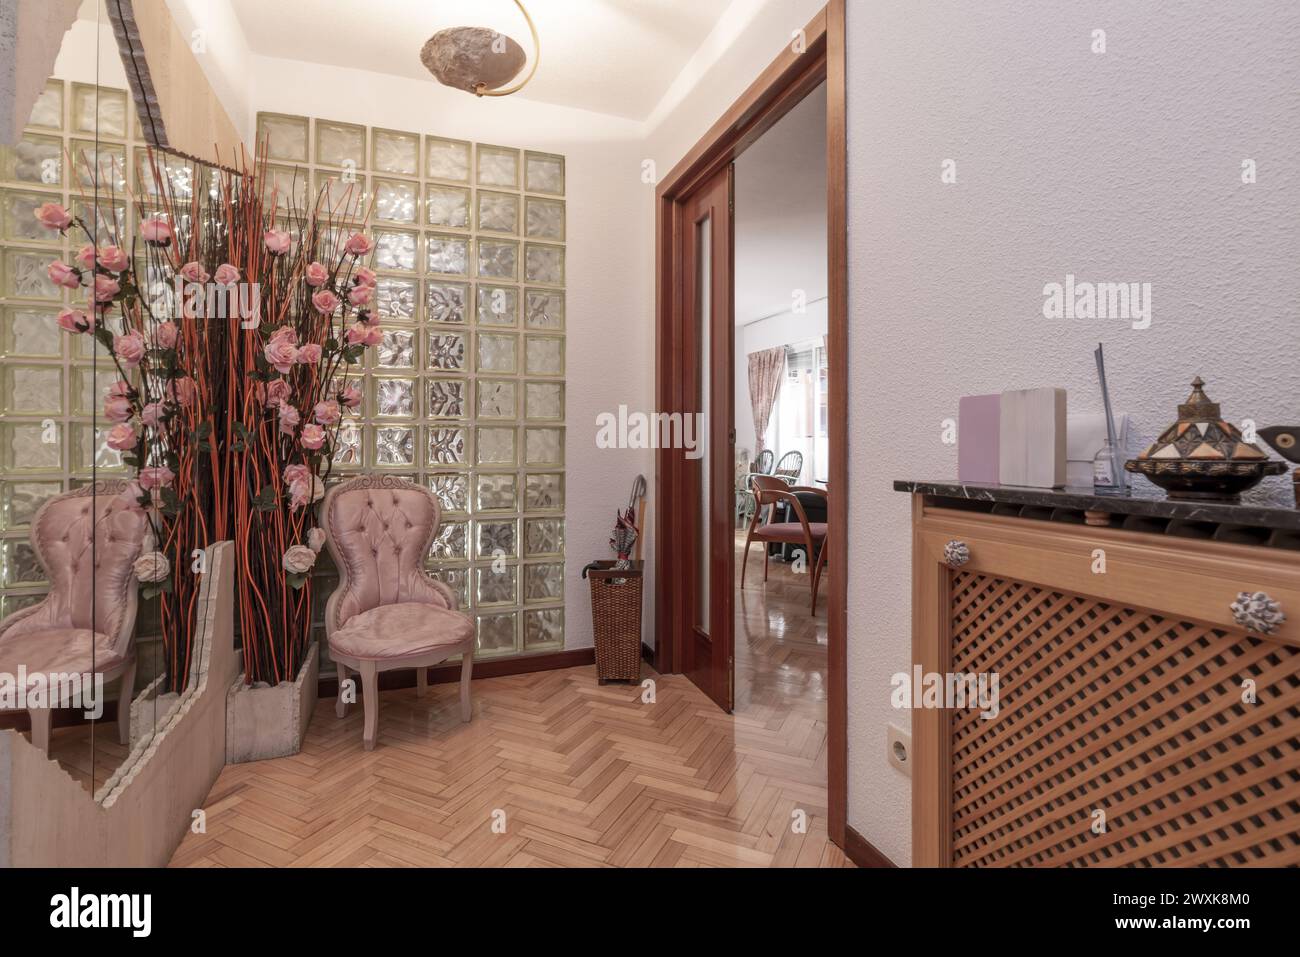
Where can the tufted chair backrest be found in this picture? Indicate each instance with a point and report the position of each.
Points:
(81, 585)
(379, 529)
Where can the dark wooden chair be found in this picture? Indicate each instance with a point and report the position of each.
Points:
(768, 491)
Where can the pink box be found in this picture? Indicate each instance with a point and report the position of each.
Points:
(978, 427)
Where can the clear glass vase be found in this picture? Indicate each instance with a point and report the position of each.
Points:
(1108, 475)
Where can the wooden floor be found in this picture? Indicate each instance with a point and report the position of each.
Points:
(90, 754)
(569, 772)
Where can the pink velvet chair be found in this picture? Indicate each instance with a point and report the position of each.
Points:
(87, 621)
(387, 613)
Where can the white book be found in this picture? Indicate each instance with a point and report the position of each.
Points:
(1031, 438)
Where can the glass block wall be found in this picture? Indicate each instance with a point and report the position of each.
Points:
(50, 382)
(466, 392)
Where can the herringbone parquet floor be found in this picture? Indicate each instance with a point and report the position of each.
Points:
(555, 770)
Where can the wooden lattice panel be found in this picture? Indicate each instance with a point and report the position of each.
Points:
(1124, 711)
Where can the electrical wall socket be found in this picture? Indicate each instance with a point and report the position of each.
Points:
(899, 747)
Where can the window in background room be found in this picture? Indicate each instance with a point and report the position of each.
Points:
(800, 417)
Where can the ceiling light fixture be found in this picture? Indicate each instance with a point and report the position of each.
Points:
(478, 60)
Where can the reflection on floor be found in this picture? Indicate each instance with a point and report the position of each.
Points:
(86, 760)
(573, 774)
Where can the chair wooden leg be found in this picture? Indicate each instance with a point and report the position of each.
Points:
(41, 720)
(745, 557)
(124, 698)
(370, 703)
(421, 681)
(466, 670)
(767, 553)
(341, 706)
(817, 575)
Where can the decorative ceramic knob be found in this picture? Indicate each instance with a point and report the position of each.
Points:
(1257, 612)
(956, 553)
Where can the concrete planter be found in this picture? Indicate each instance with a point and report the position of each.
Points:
(270, 721)
(151, 709)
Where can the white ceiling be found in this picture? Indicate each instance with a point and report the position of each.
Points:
(609, 56)
(781, 214)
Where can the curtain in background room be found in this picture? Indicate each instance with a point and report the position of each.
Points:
(765, 369)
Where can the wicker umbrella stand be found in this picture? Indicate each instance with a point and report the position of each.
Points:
(616, 620)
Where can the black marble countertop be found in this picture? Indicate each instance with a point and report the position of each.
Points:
(1260, 514)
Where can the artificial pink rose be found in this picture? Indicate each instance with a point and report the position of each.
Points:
(117, 408)
(156, 476)
(350, 396)
(120, 387)
(360, 295)
(122, 437)
(374, 334)
(316, 539)
(114, 259)
(182, 390)
(309, 355)
(365, 277)
(106, 288)
(298, 559)
(53, 216)
(296, 473)
(131, 495)
(193, 272)
(282, 350)
(152, 414)
(327, 412)
(317, 275)
(325, 302)
(156, 232)
(130, 349)
(289, 418)
(313, 436)
(227, 275)
(277, 391)
(165, 335)
(277, 241)
(86, 257)
(61, 274)
(74, 320)
(364, 334)
(358, 244)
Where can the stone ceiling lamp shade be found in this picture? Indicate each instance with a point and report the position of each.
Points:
(479, 60)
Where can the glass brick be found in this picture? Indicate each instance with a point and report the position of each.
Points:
(20, 500)
(496, 539)
(544, 173)
(396, 299)
(544, 400)
(347, 445)
(394, 446)
(344, 194)
(543, 446)
(30, 331)
(98, 110)
(396, 200)
(31, 446)
(497, 259)
(21, 567)
(35, 160)
(497, 352)
(497, 584)
(448, 255)
(544, 309)
(544, 582)
(446, 159)
(9, 604)
(544, 492)
(495, 446)
(498, 305)
(446, 352)
(496, 491)
(451, 543)
(544, 219)
(448, 446)
(544, 355)
(91, 450)
(395, 249)
(18, 221)
(451, 489)
(445, 301)
(543, 536)
(395, 152)
(544, 263)
(446, 398)
(25, 275)
(160, 174)
(397, 349)
(497, 398)
(106, 220)
(498, 212)
(543, 629)
(285, 137)
(497, 635)
(457, 579)
(340, 144)
(89, 386)
(289, 185)
(446, 206)
(498, 166)
(48, 110)
(33, 390)
(105, 163)
(395, 398)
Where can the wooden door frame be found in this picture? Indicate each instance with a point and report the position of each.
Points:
(785, 81)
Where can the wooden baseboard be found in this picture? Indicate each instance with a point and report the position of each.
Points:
(487, 668)
(862, 852)
(647, 654)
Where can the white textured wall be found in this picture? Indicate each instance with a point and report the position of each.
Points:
(1123, 166)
